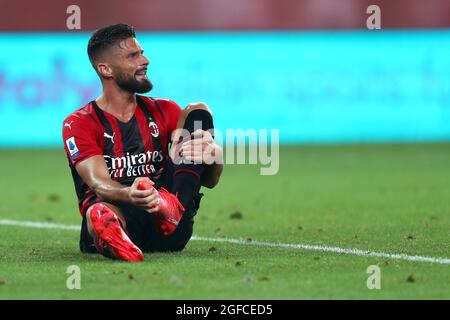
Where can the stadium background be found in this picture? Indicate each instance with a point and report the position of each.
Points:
(364, 119)
(309, 68)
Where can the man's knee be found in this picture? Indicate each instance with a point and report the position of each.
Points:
(194, 116)
(190, 108)
(196, 106)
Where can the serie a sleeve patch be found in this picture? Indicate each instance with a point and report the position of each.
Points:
(72, 147)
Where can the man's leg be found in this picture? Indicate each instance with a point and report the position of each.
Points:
(187, 177)
(107, 226)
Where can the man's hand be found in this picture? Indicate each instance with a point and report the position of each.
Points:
(201, 149)
(143, 194)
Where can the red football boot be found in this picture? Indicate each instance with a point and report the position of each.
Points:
(170, 209)
(110, 234)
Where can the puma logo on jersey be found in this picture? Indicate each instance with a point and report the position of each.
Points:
(109, 136)
(68, 125)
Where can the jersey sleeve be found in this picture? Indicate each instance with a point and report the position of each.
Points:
(80, 139)
(172, 113)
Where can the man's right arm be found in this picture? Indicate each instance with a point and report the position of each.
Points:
(94, 173)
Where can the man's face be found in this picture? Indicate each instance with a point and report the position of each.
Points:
(129, 66)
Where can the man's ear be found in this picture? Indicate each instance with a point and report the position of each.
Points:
(104, 70)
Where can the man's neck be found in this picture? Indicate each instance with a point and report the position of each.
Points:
(118, 102)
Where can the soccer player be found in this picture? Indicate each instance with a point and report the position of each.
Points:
(124, 152)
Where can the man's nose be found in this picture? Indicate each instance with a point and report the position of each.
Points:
(145, 60)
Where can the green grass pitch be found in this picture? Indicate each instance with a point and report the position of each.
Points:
(384, 198)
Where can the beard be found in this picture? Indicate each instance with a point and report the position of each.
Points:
(131, 84)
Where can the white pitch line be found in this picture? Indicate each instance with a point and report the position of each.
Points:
(309, 247)
(38, 225)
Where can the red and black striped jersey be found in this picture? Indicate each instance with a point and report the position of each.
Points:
(133, 149)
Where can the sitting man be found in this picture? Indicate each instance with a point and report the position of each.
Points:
(137, 162)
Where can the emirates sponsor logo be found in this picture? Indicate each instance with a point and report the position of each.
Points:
(133, 165)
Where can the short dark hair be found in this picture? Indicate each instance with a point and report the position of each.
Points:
(105, 38)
